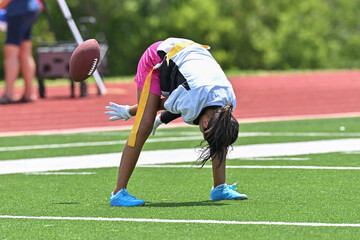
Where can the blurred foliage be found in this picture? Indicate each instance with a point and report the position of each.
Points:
(256, 34)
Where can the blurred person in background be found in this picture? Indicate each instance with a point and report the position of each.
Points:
(3, 23)
(21, 16)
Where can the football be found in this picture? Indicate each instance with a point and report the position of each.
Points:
(84, 60)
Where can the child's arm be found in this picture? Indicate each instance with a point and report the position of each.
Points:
(126, 112)
(166, 116)
(133, 109)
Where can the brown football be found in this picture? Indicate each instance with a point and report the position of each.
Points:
(84, 60)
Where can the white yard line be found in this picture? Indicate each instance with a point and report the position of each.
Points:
(255, 167)
(195, 221)
(193, 136)
(352, 152)
(82, 130)
(181, 124)
(298, 134)
(276, 158)
(61, 173)
(89, 144)
(177, 155)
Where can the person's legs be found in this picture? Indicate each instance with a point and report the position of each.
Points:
(18, 55)
(27, 62)
(11, 68)
(28, 70)
(130, 155)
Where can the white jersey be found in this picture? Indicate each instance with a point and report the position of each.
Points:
(192, 81)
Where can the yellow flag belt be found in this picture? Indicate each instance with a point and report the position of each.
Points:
(146, 89)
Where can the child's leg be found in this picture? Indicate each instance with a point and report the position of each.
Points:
(130, 155)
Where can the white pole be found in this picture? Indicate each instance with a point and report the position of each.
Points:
(78, 38)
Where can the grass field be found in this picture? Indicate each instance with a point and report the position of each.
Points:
(284, 203)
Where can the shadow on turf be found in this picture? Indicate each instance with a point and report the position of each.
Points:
(184, 204)
(67, 203)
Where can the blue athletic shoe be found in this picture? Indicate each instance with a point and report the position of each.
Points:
(226, 192)
(125, 199)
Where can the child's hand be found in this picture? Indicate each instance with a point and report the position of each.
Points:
(157, 123)
(118, 112)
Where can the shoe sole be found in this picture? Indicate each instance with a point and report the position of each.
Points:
(241, 198)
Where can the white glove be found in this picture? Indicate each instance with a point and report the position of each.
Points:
(157, 123)
(118, 112)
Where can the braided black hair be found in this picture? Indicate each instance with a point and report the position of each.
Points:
(221, 133)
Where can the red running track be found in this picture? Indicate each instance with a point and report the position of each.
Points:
(259, 97)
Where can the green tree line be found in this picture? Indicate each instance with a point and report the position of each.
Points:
(243, 34)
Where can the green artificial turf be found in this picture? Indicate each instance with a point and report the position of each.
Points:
(275, 195)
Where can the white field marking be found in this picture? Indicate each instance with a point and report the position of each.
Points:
(302, 224)
(299, 117)
(181, 124)
(181, 134)
(158, 133)
(189, 136)
(61, 173)
(106, 133)
(241, 134)
(352, 152)
(177, 155)
(276, 158)
(297, 134)
(88, 144)
(83, 130)
(254, 167)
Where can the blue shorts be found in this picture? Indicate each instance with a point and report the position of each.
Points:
(19, 27)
